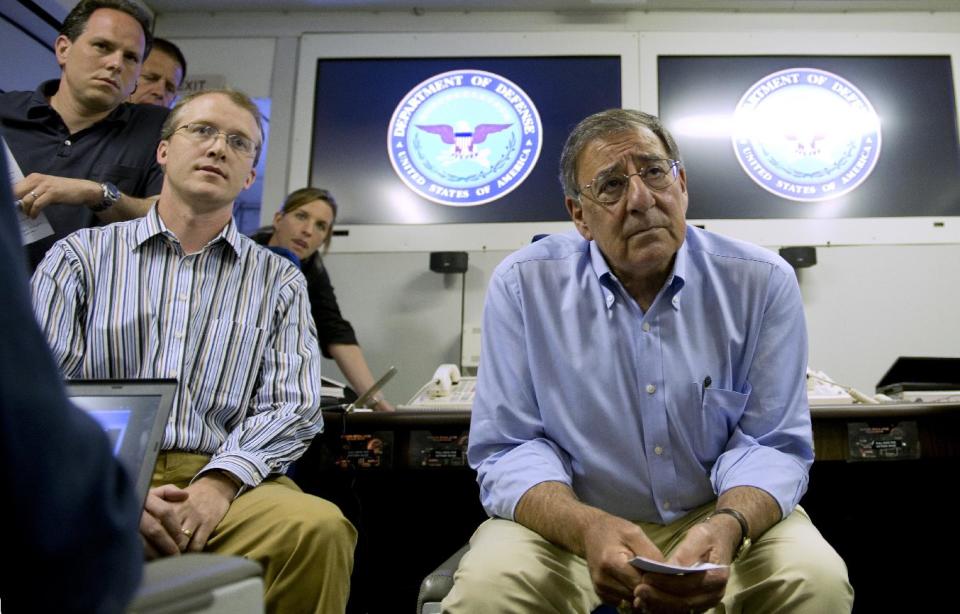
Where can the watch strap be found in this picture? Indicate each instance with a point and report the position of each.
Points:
(744, 529)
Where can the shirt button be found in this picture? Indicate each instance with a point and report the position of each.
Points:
(67, 143)
(675, 301)
(658, 450)
(666, 505)
(646, 327)
(651, 388)
(178, 335)
(182, 296)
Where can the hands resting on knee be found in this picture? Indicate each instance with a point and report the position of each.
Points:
(179, 520)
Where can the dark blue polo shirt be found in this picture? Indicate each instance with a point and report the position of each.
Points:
(121, 149)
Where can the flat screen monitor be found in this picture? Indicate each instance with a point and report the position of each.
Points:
(354, 157)
(846, 143)
(814, 136)
(455, 146)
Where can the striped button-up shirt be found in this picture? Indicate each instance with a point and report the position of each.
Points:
(231, 323)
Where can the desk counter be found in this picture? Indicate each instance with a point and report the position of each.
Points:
(933, 423)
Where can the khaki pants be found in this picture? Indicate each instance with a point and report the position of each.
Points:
(510, 568)
(304, 544)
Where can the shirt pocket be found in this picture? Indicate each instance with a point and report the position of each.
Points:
(719, 413)
(225, 364)
(126, 178)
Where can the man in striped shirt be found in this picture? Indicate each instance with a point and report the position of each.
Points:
(182, 294)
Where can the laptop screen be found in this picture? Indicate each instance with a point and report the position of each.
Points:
(133, 414)
(114, 422)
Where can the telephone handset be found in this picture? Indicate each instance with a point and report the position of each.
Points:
(822, 389)
(444, 379)
(447, 389)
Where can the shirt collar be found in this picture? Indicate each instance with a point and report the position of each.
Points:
(151, 225)
(39, 104)
(600, 266)
(231, 235)
(678, 276)
(608, 280)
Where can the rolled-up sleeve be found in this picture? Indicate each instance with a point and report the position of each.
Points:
(507, 443)
(772, 445)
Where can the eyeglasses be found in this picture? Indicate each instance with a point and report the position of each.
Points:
(204, 133)
(609, 188)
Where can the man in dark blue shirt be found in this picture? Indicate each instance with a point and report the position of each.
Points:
(85, 154)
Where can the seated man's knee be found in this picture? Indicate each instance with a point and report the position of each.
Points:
(481, 583)
(805, 576)
(504, 576)
(820, 577)
(314, 527)
(488, 566)
(322, 523)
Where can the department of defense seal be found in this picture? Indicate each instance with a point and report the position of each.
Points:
(464, 137)
(806, 134)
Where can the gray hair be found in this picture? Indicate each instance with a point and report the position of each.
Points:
(604, 124)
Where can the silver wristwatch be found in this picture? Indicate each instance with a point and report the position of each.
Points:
(111, 195)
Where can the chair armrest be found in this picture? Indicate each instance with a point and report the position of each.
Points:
(439, 581)
(189, 579)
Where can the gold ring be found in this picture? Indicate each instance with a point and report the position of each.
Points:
(187, 532)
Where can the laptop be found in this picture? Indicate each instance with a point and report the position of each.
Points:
(915, 374)
(133, 413)
(364, 398)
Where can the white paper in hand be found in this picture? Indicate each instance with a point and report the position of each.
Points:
(645, 564)
(30, 229)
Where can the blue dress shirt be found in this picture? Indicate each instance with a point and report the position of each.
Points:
(645, 415)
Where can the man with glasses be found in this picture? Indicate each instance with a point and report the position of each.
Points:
(87, 157)
(182, 294)
(642, 393)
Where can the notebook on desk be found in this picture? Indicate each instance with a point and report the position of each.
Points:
(133, 413)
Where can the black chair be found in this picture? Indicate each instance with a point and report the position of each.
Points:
(438, 583)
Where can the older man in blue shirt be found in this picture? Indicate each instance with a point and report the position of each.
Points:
(642, 393)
